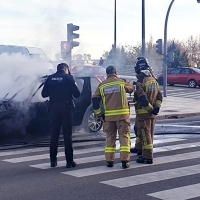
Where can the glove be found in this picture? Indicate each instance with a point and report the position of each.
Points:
(156, 110)
(134, 83)
(101, 117)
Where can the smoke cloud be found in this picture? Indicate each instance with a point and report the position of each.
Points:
(20, 78)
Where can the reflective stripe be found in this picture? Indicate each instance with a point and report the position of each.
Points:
(125, 149)
(98, 111)
(110, 150)
(148, 147)
(149, 107)
(117, 112)
(137, 140)
(123, 92)
(141, 111)
(158, 103)
(124, 110)
(103, 97)
(144, 139)
(112, 83)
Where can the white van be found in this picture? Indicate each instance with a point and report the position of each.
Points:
(35, 54)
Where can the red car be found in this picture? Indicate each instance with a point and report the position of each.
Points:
(183, 76)
(96, 70)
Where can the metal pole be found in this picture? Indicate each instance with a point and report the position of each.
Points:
(115, 26)
(165, 50)
(143, 27)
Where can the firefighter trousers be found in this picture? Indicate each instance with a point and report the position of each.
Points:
(123, 128)
(145, 129)
(138, 144)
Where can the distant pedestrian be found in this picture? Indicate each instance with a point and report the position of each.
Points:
(60, 88)
(101, 62)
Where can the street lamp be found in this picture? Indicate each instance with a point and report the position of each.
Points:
(143, 27)
(115, 25)
(165, 49)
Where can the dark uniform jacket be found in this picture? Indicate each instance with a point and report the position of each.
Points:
(60, 87)
(147, 96)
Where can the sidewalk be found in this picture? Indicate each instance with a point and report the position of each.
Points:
(176, 107)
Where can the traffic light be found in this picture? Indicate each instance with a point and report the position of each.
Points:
(171, 57)
(159, 46)
(65, 49)
(71, 35)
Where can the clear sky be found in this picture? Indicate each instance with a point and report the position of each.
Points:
(43, 23)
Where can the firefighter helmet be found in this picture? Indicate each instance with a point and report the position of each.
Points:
(141, 65)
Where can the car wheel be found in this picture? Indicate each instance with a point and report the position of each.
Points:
(160, 81)
(91, 123)
(192, 83)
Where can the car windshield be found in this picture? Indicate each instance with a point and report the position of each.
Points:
(100, 70)
(196, 70)
(39, 57)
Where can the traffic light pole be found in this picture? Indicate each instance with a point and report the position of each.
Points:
(115, 32)
(165, 51)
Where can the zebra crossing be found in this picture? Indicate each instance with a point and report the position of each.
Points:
(184, 93)
(89, 155)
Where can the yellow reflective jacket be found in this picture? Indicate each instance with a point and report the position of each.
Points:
(112, 93)
(147, 96)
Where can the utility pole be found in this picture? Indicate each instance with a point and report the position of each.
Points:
(115, 30)
(143, 27)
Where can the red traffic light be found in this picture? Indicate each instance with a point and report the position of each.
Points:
(64, 46)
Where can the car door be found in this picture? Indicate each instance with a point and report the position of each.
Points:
(82, 103)
(185, 76)
(173, 76)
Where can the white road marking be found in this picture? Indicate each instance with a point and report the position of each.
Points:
(90, 150)
(178, 125)
(153, 177)
(35, 150)
(97, 158)
(117, 167)
(181, 193)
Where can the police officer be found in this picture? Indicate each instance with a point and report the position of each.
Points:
(112, 93)
(148, 103)
(61, 88)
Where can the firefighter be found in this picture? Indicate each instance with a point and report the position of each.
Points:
(60, 88)
(148, 102)
(116, 115)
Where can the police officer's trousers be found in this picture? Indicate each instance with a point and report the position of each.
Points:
(145, 129)
(110, 128)
(61, 116)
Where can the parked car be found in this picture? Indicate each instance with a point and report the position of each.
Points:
(88, 70)
(35, 55)
(183, 76)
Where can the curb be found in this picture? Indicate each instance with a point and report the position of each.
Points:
(171, 116)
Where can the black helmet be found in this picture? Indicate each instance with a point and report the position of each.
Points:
(110, 70)
(141, 64)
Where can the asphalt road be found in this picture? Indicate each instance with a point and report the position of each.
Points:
(183, 91)
(25, 172)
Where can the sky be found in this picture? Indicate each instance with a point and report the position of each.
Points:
(43, 23)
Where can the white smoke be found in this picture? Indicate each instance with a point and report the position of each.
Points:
(19, 72)
(20, 78)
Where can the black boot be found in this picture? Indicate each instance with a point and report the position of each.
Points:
(139, 152)
(125, 164)
(134, 150)
(144, 160)
(71, 164)
(53, 163)
(109, 164)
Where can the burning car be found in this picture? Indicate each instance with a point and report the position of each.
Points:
(31, 115)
